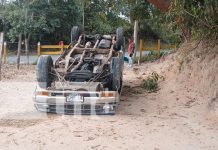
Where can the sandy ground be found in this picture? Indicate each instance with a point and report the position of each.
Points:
(176, 117)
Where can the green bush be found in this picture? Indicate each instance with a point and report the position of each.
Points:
(151, 83)
(34, 63)
(152, 56)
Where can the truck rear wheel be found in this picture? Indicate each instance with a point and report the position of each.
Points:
(119, 38)
(74, 35)
(43, 71)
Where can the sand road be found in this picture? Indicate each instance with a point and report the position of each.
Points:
(174, 118)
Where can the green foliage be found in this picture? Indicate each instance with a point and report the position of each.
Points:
(60, 17)
(151, 83)
(141, 10)
(159, 24)
(103, 17)
(34, 63)
(47, 20)
(151, 56)
(15, 18)
(152, 22)
(199, 16)
(51, 20)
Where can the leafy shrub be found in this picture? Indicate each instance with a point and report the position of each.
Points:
(151, 83)
(152, 56)
(34, 63)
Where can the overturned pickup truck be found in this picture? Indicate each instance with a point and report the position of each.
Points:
(85, 79)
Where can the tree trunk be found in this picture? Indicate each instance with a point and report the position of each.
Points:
(1, 50)
(27, 39)
(19, 50)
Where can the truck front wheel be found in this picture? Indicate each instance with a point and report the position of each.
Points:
(43, 71)
(119, 39)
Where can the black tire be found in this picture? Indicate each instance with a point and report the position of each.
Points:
(119, 38)
(43, 71)
(115, 74)
(74, 34)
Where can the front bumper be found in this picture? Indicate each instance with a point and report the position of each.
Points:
(86, 102)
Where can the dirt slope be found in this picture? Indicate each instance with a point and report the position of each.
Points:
(198, 71)
(178, 116)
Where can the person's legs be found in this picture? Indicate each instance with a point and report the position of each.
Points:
(130, 60)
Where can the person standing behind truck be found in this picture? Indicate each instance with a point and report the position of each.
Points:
(131, 49)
